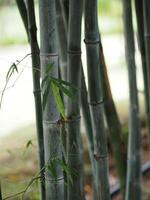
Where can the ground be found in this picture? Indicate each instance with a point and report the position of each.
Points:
(19, 163)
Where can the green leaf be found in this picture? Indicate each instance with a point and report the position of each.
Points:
(44, 81)
(58, 99)
(46, 91)
(29, 143)
(49, 67)
(71, 92)
(13, 68)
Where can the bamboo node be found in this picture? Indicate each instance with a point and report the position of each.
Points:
(36, 91)
(88, 42)
(94, 103)
(49, 54)
(73, 119)
(98, 157)
(51, 122)
(75, 53)
(53, 179)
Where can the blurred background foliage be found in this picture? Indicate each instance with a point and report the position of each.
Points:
(12, 30)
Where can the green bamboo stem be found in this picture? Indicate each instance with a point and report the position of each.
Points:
(133, 189)
(28, 17)
(51, 115)
(62, 40)
(32, 30)
(141, 44)
(84, 95)
(95, 99)
(74, 149)
(146, 14)
(114, 124)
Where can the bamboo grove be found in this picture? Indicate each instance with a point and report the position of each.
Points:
(62, 97)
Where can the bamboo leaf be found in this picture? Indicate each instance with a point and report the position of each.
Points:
(49, 67)
(46, 91)
(67, 92)
(58, 99)
(29, 143)
(44, 81)
(70, 92)
(62, 82)
(13, 68)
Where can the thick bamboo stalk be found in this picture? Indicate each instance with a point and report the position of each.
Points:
(84, 95)
(146, 13)
(74, 146)
(62, 40)
(28, 17)
(51, 115)
(95, 98)
(133, 188)
(114, 124)
(141, 44)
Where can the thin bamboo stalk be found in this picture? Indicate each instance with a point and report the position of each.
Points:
(114, 124)
(28, 17)
(141, 44)
(95, 98)
(51, 115)
(74, 147)
(32, 29)
(133, 189)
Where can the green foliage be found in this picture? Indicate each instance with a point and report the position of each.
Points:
(13, 68)
(57, 86)
(29, 143)
(54, 162)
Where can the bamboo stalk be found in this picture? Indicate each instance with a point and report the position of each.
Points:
(62, 40)
(84, 94)
(51, 115)
(74, 147)
(141, 44)
(28, 17)
(95, 98)
(114, 124)
(133, 189)
(146, 14)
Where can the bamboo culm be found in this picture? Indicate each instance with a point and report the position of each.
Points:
(95, 99)
(84, 94)
(146, 14)
(141, 45)
(114, 124)
(51, 115)
(133, 189)
(28, 17)
(74, 144)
